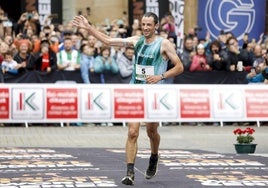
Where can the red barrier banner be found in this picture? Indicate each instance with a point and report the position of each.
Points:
(257, 103)
(62, 103)
(4, 103)
(195, 103)
(129, 103)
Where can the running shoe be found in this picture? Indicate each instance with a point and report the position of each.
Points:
(128, 180)
(152, 168)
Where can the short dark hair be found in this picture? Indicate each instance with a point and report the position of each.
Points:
(8, 53)
(153, 15)
(82, 47)
(230, 38)
(129, 48)
(215, 43)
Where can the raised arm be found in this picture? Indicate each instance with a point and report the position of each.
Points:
(82, 22)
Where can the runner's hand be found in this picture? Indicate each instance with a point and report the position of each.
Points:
(80, 21)
(153, 79)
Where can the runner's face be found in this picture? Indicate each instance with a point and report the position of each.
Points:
(148, 26)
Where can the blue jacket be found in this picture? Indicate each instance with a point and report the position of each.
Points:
(102, 65)
(86, 63)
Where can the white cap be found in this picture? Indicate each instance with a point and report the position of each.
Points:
(200, 46)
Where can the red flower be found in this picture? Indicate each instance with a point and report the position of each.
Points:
(244, 136)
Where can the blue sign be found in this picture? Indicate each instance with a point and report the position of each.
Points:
(236, 16)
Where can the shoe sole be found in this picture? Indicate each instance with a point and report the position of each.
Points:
(127, 181)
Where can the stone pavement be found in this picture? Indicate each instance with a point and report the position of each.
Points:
(208, 138)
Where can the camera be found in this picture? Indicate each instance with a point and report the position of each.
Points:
(29, 16)
(7, 24)
(216, 51)
(197, 28)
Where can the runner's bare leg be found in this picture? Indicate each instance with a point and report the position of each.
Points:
(154, 136)
(131, 144)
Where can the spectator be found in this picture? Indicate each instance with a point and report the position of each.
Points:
(68, 58)
(3, 21)
(35, 40)
(195, 41)
(54, 43)
(254, 77)
(46, 60)
(76, 40)
(188, 53)
(66, 34)
(217, 58)
(9, 41)
(222, 38)
(3, 49)
(135, 27)
(199, 62)
(83, 33)
(47, 32)
(29, 20)
(168, 25)
(9, 65)
(235, 55)
(125, 62)
(24, 56)
(191, 32)
(114, 49)
(258, 57)
(104, 63)
(163, 33)
(92, 43)
(87, 62)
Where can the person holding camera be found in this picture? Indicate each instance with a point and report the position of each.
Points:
(259, 71)
(261, 77)
(29, 19)
(238, 58)
(5, 24)
(217, 58)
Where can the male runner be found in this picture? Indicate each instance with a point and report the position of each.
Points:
(151, 56)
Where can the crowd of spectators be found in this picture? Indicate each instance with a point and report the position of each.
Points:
(25, 45)
(225, 54)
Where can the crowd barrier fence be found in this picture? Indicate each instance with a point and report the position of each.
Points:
(71, 102)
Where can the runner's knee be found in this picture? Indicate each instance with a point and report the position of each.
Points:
(133, 134)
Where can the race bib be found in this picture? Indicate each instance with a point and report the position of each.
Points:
(143, 70)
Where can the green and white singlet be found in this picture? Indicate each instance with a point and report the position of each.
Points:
(148, 61)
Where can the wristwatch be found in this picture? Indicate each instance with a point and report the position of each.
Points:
(162, 76)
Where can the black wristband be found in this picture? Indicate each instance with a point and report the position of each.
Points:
(162, 77)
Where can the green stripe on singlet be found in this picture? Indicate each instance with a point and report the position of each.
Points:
(148, 54)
